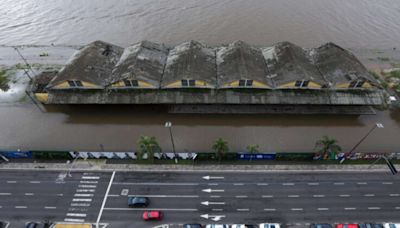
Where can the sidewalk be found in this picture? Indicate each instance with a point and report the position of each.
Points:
(101, 166)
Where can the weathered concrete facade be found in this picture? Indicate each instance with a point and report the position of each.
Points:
(193, 73)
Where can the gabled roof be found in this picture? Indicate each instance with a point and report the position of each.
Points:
(143, 61)
(241, 61)
(288, 62)
(93, 63)
(190, 60)
(339, 65)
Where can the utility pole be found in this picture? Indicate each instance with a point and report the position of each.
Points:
(168, 125)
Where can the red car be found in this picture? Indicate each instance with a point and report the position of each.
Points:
(346, 226)
(152, 215)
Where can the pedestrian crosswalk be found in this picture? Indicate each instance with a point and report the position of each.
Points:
(82, 200)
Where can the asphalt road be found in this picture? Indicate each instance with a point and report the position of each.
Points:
(294, 199)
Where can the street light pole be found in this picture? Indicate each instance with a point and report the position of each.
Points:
(376, 125)
(168, 125)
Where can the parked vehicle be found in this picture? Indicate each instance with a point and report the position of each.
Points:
(31, 225)
(192, 225)
(3, 224)
(347, 226)
(153, 215)
(391, 225)
(217, 226)
(137, 201)
(320, 225)
(369, 225)
(269, 225)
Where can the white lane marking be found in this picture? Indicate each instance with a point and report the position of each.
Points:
(243, 209)
(217, 209)
(397, 208)
(87, 186)
(269, 209)
(167, 196)
(80, 204)
(345, 195)
(21, 207)
(152, 209)
(350, 208)
(313, 183)
(83, 195)
(1, 206)
(318, 196)
(262, 184)
(207, 203)
(267, 196)
(50, 208)
(369, 195)
(85, 190)
(338, 183)
(76, 215)
(88, 182)
(29, 194)
(113, 195)
(215, 196)
(387, 182)
(60, 194)
(323, 209)
(293, 196)
(5, 194)
(11, 182)
(374, 208)
(74, 220)
(287, 184)
(394, 195)
(361, 183)
(90, 177)
(124, 192)
(296, 209)
(238, 184)
(156, 183)
(213, 184)
(34, 182)
(210, 190)
(241, 197)
(81, 200)
(105, 198)
(210, 177)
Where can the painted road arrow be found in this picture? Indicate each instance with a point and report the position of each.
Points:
(212, 203)
(209, 190)
(214, 178)
(213, 217)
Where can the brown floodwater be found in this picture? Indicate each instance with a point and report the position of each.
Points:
(118, 127)
(350, 23)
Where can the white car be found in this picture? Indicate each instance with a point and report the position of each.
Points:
(270, 225)
(391, 225)
(217, 226)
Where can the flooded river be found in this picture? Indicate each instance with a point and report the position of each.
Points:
(355, 23)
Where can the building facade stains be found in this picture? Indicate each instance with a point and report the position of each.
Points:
(193, 73)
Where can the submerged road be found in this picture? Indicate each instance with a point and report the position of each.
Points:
(294, 199)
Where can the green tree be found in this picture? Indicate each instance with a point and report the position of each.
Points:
(328, 147)
(252, 149)
(220, 147)
(148, 145)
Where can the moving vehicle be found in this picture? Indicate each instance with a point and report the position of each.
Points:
(269, 225)
(369, 225)
(192, 225)
(320, 225)
(347, 225)
(217, 226)
(391, 225)
(31, 225)
(153, 215)
(137, 201)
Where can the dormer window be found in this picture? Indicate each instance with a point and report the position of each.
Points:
(356, 84)
(75, 83)
(131, 83)
(302, 84)
(188, 82)
(245, 83)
